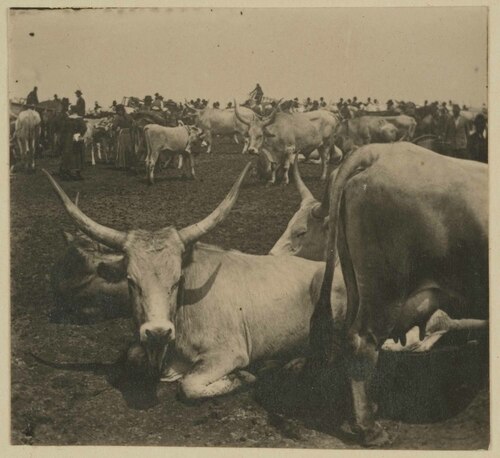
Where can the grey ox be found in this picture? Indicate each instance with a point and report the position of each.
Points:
(281, 135)
(27, 134)
(411, 229)
(213, 121)
(212, 311)
(363, 130)
(170, 141)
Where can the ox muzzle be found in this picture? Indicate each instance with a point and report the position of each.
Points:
(156, 337)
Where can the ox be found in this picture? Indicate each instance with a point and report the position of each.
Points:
(27, 134)
(411, 227)
(213, 121)
(306, 236)
(281, 135)
(172, 141)
(222, 309)
(363, 130)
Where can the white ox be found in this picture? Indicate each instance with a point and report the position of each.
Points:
(27, 134)
(213, 121)
(170, 141)
(222, 309)
(281, 135)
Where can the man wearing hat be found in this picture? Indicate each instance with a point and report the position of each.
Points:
(122, 123)
(80, 103)
(158, 103)
(71, 130)
(457, 133)
(32, 98)
(146, 105)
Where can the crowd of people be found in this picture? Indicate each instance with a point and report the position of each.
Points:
(71, 127)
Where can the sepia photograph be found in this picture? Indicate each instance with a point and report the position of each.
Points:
(249, 227)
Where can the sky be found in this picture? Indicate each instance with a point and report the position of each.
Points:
(220, 54)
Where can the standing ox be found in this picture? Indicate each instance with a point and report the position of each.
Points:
(281, 135)
(363, 130)
(222, 309)
(169, 140)
(213, 121)
(411, 226)
(27, 134)
(306, 236)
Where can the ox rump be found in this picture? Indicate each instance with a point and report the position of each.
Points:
(217, 311)
(411, 227)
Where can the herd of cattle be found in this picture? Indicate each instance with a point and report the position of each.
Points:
(399, 242)
(275, 133)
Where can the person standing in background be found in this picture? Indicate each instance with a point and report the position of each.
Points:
(32, 98)
(457, 134)
(80, 103)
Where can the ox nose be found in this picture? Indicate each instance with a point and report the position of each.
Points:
(252, 150)
(152, 332)
(156, 338)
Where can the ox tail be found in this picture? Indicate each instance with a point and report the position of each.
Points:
(326, 336)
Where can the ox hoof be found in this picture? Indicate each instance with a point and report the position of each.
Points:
(375, 437)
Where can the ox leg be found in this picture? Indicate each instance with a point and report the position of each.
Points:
(273, 174)
(180, 161)
(150, 169)
(235, 137)
(362, 362)
(208, 139)
(215, 375)
(325, 159)
(246, 143)
(92, 154)
(190, 161)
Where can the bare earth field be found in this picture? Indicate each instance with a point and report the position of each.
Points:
(68, 386)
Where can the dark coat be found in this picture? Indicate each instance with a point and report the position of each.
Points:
(80, 106)
(32, 98)
(71, 157)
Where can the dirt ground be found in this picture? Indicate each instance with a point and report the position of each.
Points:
(68, 386)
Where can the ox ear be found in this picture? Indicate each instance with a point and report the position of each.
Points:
(267, 133)
(112, 272)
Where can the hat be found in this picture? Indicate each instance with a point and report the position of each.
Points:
(148, 98)
(157, 95)
(78, 92)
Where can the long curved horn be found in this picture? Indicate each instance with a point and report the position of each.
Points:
(110, 237)
(192, 233)
(271, 117)
(323, 210)
(302, 188)
(238, 116)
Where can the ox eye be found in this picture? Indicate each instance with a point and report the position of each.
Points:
(300, 234)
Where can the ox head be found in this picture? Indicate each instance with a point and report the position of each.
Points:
(81, 295)
(257, 129)
(307, 232)
(195, 137)
(152, 266)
